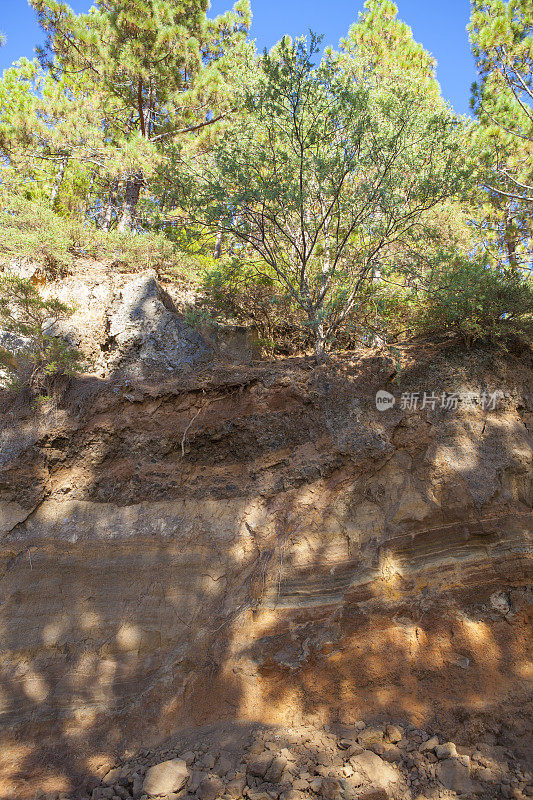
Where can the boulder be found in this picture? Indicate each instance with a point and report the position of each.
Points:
(165, 778)
(146, 335)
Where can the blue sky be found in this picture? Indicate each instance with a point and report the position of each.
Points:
(438, 24)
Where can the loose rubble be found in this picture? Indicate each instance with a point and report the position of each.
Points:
(340, 762)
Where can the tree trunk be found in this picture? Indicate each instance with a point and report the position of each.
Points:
(510, 239)
(111, 204)
(320, 342)
(218, 245)
(59, 180)
(131, 199)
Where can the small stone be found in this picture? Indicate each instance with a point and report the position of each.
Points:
(454, 775)
(210, 788)
(258, 794)
(447, 750)
(235, 788)
(486, 775)
(169, 776)
(301, 784)
(275, 770)
(208, 761)
(188, 757)
(286, 754)
(500, 603)
(377, 771)
(112, 776)
(137, 789)
(431, 744)
(344, 744)
(370, 736)
(353, 750)
(347, 770)
(260, 765)
(394, 733)
(197, 776)
(374, 793)
(330, 789)
(103, 793)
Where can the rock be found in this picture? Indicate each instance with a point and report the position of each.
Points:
(137, 789)
(286, 754)
(225, 763)
(376, 771)
(112, 776)
(188, 757)
(103, 793)
(374, 793)
(197, 776)
(394, 733)
(353, 750)
(370, 736)
(431, 744)
(486, 775)
(210, 788)
(454, 775)
(500, 603)
(147, 335)
(392, 754)
(209, 759)
(166, 777)
(258, 794)
(351, 786)
(447, 750)
(330, 789)
(260, 765)
(344, 744)
(235, 788)
(292, 794)
(275, 770)
(347, 771)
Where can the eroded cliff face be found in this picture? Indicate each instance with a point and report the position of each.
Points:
(261, 544)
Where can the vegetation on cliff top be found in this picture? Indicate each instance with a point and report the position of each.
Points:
(326, 200)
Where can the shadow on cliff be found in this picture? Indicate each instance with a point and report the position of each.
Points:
(160, 585)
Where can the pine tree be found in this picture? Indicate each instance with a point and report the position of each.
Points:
(381, 46)
(160, 64)
(49, 130)
(501, 35)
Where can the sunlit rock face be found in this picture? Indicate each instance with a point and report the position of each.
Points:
(260, 543)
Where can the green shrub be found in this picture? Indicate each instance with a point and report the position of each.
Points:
(478, 302)
(44, 356)
(31, 230)
(236, 290)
